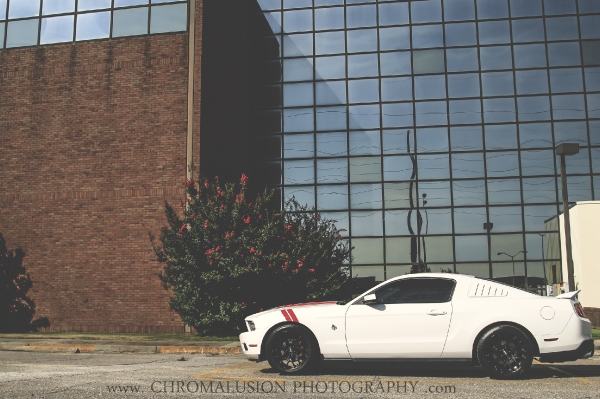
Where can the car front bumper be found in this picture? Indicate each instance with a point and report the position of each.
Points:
(251, 343)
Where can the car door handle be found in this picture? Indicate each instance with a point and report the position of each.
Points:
(436, 313)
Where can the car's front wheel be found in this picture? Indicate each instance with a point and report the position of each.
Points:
(505, 352)
(291, 349)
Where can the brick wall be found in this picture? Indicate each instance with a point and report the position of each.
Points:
(594, 315)
(93, 140)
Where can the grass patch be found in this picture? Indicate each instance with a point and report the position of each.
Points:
(596, 334)
(129, 337)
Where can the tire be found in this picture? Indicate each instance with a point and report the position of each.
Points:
(505, 352)
(291, 349)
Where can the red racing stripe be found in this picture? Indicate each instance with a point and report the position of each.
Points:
(286, 315)
(291, 312)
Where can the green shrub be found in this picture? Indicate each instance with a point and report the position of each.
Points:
(225, 257)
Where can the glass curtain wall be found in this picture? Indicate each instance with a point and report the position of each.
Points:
(34, 22)
(427, 128)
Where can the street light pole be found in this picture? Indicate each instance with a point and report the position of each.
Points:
(563, 150)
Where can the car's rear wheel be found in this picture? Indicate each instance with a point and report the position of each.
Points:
(505, 352)
(291, 349)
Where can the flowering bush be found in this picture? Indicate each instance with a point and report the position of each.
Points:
(225, 257)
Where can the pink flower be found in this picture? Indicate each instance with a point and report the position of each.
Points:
(311, 271)
(218, 248)
(260, 253)
(208, 252)
(288, 227)
(206, 224)
(192, 215)
(260, 216)
(227, 236)
(300, 263)
(205, 184)
(318, 216)
(295, 271)
(244, 179)
(252, 250)
(247, 220)
(183, 227)
(189, 183)
(270, 266)
(181, 204)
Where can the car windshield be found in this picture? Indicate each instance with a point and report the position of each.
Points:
(341, 302)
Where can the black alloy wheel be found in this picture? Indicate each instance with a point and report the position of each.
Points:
(505, 352)
(291, 349)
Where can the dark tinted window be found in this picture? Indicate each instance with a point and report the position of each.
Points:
(416, 290)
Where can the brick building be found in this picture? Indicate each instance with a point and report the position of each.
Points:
(425, 128)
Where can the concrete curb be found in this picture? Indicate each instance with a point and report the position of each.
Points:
(46, 347)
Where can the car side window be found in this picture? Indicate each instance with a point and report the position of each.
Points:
(416, 290)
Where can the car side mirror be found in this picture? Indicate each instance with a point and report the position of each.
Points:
(370, 299)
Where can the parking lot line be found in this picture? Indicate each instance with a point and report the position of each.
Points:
(584, 380)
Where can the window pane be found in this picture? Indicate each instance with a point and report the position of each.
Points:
(170, 18)
(432, 140)
(396, 89)
(329, 18)
(331, 92)
(22, 33)
(520, 8)
(467, 165)
(431, 113)
(499, 110)
(84, 5)
(463, 85)
(498, 137)
(57, 29)
(433, 166)
(557, 7)
(298, 120)
(333, 171)
(365, 196)
(363, 65)
(492, 9)
(497, 83)
(331, 118)
(432, 86)
(535, 135)
(394, 38)
(363, 91)
(2, 34)
(58, 6)
(364, 116)
(530, 56)
(299, 172)
(298, 69)
(428, 61)
(568, 106)
(571, 132)
(466, 138)
(535, 217)
(462, 34)
(540, 162)
(365, 143)
(591, 52)
(2, 10)
(397, 168)
(361, 16)
(427, 36)
(469, 220)
(393, 14)
(397, 115)
(366, 223)
(590, 29)
(269, 4)
(539, 190)
(394, 141)
(298, 94)
(130, 22)
(23, 9)
(507, 244)
(296, 3)
(302, 45)
(469, 192)
(365, 169)
(332, 144)
(564, 54)
(471, 248)
(504, 192)
(304, 195)
(332, 197)
(501, 164)
(426, 11)
(528, 30)
(298, 146)
(532, 82)
(297, 21)
(586, 6)
(367, 251)
(534, 108)
(564, 28)
(566, 80)
(396, 63)
(496, 58)
(459, 10)
(93, 25)
(461, 59)
(363, 40)
(325, 68)
(495, 32)
(125, 3)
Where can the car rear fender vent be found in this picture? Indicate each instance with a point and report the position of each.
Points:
(485, 289)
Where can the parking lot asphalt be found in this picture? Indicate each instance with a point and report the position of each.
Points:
(144, 375)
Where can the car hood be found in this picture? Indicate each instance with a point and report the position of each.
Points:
(306, 305)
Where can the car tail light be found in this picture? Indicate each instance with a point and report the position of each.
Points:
(579, 310)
